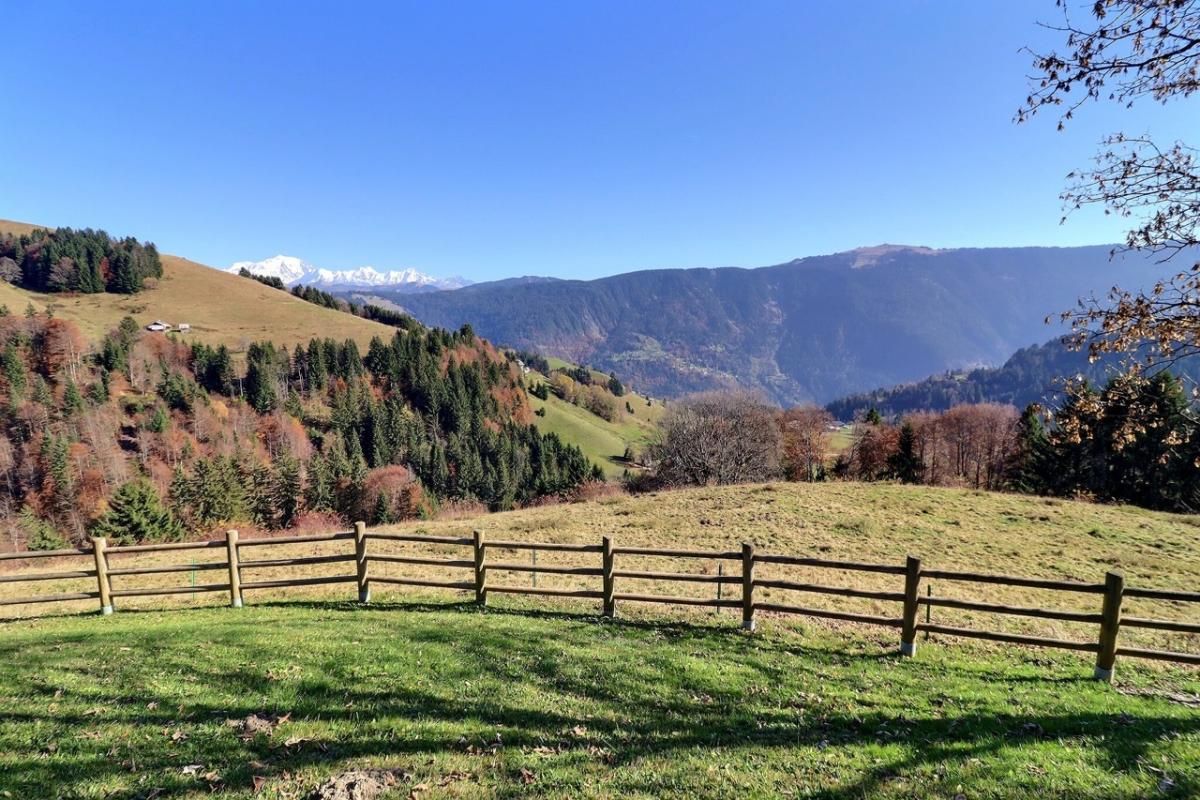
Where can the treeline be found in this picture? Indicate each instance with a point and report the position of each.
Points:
(319, 297)
(1032, 375)
(86, 261)
(273, 281)
(147, 437)
(1136, 440)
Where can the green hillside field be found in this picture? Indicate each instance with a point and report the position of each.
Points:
(602, 441)
(181, 698)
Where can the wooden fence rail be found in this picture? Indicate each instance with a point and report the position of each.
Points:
(485, 562)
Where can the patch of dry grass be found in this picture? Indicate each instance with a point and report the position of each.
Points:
(948, 528)
(221, 308)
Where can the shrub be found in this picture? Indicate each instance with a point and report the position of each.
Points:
(390, 494)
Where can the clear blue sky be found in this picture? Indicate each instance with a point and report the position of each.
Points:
(575, 139)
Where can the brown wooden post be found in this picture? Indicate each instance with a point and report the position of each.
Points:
(1110, 625)
(99, 546)
(360, 562)
(235, 569)
(747, 586)
(912, 590)
(610, 601)
(480, 547)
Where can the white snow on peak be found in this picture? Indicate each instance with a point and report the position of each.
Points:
(292, 270)
(288, 269)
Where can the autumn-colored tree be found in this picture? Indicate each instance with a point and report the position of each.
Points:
(1132, 51)
(391, 494)
(805, 442)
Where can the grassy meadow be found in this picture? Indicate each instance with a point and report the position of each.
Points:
(459, 702)
(948, 528)
(603, 442)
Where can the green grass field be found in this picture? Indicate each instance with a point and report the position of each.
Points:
(602, 441)
(538, 699)
(469, 703)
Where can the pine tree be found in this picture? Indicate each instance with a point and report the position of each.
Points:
(260, 493)
(1031, 471)
(382, 513)
(906, 464)
(136, 514)
(41, 392)
(14, 370)
(318, 493)
(72, 400)
(288, 489)
(40, 534)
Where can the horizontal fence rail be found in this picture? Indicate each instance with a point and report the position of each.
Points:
(482, 559)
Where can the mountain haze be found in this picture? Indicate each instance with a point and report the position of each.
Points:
(1035, 374)
(292, 271)
(809, 330)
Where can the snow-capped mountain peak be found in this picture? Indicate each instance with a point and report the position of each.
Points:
(288, 269)
(292, 271)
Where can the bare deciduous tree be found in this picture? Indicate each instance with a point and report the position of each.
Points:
(1132, 50)
(717, 438)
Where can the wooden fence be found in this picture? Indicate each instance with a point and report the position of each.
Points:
(478, 564)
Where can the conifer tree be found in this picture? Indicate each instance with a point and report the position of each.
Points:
(72, 400)
(136, 514)
(906, 464)
(288, 490)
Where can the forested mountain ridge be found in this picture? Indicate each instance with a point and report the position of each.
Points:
(137, 434)
(147, 426)
(1032, 375)
(812, 329)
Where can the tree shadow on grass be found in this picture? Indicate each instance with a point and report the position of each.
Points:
(653, 700)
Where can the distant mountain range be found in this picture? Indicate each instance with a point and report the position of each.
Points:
(292, 271)
(1035, 374)
(810, 330)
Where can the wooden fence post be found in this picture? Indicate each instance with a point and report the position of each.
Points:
(360, 562)
(912, 590)
(99, 545)
(235, 569)
(480, 548)
(610, 601)
(1110, 624)
(747, 586)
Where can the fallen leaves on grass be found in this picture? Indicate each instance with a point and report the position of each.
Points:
(361, 784)
(258, 724)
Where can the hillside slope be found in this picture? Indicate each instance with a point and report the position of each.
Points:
(221, 308)
(1032, 375)
(809, 330)
(603, 441)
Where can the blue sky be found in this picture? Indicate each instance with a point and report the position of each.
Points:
(575, 139)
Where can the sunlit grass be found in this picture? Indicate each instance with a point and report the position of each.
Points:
(500, 703)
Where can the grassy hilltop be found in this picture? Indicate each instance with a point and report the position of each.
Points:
(221, 308)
